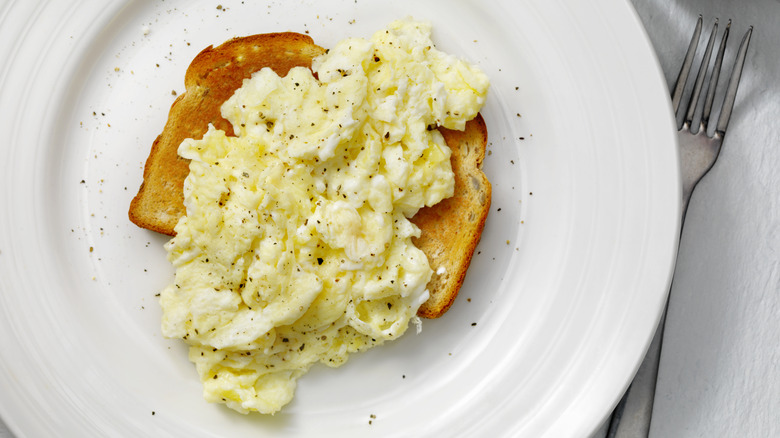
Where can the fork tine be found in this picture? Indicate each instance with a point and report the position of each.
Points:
(731, 92)
(705, 118)
(705, 61)
(682, 78)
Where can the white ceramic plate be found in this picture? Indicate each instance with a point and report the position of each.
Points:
(559, 304)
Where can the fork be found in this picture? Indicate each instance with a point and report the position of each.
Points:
(698, 151)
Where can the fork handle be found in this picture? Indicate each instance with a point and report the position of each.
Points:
(631, 418)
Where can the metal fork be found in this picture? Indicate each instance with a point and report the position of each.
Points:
(698, 152)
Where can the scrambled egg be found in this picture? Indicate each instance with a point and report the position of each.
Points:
(296, 247)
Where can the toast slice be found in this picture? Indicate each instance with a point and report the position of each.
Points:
(212, 77)
(450, 229)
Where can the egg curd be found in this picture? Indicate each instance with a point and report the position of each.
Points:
(296, 247)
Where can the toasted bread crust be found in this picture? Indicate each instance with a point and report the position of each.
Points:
(450, 229)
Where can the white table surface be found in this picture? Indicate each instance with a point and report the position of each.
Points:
(720, 366)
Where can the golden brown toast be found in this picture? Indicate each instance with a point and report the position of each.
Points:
(450, 229)
(212, 77)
